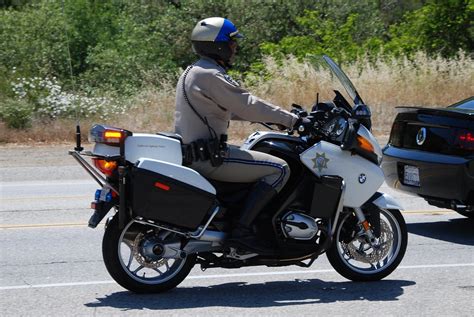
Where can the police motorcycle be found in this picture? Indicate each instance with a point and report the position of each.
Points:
(167, 218)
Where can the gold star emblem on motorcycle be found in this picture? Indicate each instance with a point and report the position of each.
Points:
(320, 161)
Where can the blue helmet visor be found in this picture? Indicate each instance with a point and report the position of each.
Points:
(228, 32)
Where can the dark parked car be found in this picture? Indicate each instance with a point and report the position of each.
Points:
(430, 153)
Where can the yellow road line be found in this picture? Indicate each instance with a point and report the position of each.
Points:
(83, 224)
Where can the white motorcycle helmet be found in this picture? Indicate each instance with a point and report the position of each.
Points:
(212, 38)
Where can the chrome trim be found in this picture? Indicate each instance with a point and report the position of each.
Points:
(421, 136)
(360, 214)
(143, 222)
(198, 234)
(193, 235)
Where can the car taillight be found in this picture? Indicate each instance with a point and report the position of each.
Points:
(465, 140)
(396, 134)
(106, 167)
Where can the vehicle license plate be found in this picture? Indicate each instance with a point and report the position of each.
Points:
(103, 194)
(411, 175)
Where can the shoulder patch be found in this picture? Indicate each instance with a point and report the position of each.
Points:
(230, 80)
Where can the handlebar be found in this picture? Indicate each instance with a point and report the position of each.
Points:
(329, 120)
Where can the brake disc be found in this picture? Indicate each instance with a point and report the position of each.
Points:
(139, 252)
(361, 250)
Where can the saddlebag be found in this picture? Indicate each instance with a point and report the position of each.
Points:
(171, 194)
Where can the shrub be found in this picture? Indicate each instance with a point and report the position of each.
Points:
(48, 100)
(17, 114)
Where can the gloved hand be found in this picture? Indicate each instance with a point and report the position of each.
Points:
(302, 125)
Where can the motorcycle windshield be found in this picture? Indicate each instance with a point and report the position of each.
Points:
(345, 81)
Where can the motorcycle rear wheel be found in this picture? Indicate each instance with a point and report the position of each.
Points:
(128, 259)
(358, 260)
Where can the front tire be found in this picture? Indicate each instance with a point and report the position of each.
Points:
(355, 258)
(130, 261)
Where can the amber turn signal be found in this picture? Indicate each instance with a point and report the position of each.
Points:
(106, 167)
(364, 144)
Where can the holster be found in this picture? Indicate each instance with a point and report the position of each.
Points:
(203, 150)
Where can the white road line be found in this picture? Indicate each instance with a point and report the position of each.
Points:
(23, 198)
(49, 183)
(221, 276)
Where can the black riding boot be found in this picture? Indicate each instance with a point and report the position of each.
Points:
(258, 198)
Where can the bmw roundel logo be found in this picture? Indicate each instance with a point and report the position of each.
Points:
(421, 136)
(362, 178)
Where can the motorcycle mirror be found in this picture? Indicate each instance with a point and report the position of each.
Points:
(363, 114)
(361, 111)
(294, 105)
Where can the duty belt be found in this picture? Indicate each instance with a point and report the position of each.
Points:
(203, 150)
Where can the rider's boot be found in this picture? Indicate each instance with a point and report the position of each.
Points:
(261, 194)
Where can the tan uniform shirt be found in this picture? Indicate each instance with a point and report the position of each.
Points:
(218, 98)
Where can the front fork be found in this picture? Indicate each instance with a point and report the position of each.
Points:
(366, 226)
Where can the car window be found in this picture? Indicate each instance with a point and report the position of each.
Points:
(465, 104)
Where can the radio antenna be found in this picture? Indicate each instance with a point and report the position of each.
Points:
(73, 82)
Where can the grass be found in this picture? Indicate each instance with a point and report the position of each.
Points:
(383, 84)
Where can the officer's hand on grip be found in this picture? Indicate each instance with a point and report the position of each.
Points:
(303, 125)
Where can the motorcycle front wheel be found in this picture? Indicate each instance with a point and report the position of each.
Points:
(355, 257)
(131, 257)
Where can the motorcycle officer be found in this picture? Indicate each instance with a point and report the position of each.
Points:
(207, 98)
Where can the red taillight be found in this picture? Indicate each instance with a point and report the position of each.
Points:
(467, 137)
(465, 140)
(106, 167)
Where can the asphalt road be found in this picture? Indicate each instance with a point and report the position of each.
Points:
(52, 264)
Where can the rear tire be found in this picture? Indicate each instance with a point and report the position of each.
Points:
(357, 260)
(127, 261)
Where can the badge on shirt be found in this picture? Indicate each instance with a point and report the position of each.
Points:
(230, 80)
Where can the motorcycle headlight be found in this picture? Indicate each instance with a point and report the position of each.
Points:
(336, 127)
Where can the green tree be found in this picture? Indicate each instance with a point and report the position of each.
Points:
(439, 27)
(341, 29)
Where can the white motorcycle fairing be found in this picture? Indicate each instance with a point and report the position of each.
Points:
(385, 201)
(361, 176)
